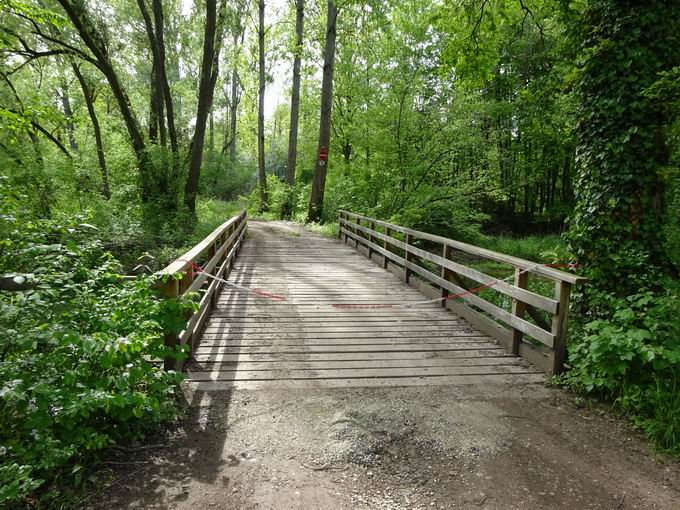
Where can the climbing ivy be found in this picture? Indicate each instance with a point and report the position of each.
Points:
(621, 146)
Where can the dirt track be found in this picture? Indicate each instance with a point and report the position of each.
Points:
(396, 448)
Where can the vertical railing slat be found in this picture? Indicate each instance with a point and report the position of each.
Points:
(518, 308)
(559, 326)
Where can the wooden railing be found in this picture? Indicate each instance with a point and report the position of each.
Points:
(408, 253)
(215, 255)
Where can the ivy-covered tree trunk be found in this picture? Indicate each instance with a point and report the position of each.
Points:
(621, 148)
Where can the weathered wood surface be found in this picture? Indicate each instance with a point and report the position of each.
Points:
(438, 275)
(305, 342)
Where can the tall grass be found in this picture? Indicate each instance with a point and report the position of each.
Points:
(533, 248)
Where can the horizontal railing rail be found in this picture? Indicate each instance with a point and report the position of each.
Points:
(380, 240)
(215, 255)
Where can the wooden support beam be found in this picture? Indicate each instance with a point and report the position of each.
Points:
(171, 290)
(559, 326)
(445, 274)
(518, 308)
(386, 246)
(408, 257)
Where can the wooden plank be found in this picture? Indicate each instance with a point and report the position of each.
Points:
(211, 344)
(301, 349)
(559, 327)
(481, 381)
(353, 356)
(518, 308)
(279, 365)
(253, 375)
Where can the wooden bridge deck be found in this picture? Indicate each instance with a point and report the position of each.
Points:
(253, 342)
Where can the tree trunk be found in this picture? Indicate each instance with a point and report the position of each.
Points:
(89, 102)
(68, 112)
(262, 177)
(206, 89)
(78, 15)
(153, 106)
(238, 31)
(319, 182)
(211, 137)
(295, 96)
(163, 77)
(287, 208)
(233, 111)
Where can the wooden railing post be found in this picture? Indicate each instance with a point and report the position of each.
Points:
(559, 326)
(341, 215)
(519, 308)
(445, 273)
(356, 234)
(170, 290)
(386, 246)
(371, 239)
(409, 258)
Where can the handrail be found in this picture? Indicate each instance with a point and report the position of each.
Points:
(548, 272)
(450, 282)
(215, 254)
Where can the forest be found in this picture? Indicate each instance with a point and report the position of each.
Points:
(130, 129)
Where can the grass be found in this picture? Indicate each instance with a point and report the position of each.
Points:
(532, 248)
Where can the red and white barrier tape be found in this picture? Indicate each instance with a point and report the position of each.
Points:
(257, 292)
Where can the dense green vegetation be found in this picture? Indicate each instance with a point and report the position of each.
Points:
(548, 130)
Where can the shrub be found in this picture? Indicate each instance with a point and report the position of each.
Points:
(631, 354)
(79, 354)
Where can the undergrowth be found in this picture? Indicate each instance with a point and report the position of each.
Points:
(80, 355)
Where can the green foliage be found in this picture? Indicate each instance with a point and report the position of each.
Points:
(80, 350)
(223, 180)
(632, 356)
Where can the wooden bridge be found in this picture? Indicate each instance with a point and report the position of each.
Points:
(283, 307)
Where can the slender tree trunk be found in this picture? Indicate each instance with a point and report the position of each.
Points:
(319, 182)
(163, 77)
(286, 210)
(260, 112)
(89, 102)
(68, 112)
(206, 89)
(157, 67)
(234, 105)
(153, 106)
(211, 137)
(78, 15)
(225, 128)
